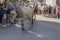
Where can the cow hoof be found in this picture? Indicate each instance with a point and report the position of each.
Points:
(23, 29)
(30, 27)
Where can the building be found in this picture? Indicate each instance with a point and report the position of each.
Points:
(52, 2)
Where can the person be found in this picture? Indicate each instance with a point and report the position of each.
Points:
(8, 14)
(42, 9)
(1, 12)
(4, 15)
(45, 10)
(36, 8)
(13, 6)
(39, 8)
(54, 10)
(49, 10)
(57, 12)
(13, 13)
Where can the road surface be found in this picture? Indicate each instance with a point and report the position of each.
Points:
(44, 29)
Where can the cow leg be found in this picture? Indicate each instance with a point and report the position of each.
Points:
(34, 17)
(22, 24)
(31, 22)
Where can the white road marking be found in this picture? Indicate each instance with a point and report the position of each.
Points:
(31, 32)
(17, 25)
(35, 34)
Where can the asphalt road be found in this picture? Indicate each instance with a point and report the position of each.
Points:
(42, 30)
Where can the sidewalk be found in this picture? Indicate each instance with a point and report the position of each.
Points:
(40, 17)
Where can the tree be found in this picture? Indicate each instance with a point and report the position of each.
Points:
(23, 0)
(13, 1)
(10, 1)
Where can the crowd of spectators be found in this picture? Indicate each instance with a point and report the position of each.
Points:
(40, 8)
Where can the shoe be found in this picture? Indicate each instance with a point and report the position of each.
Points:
(4, 25)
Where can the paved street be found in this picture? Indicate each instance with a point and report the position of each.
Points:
(44, 29)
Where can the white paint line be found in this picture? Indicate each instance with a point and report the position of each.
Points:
(39, 35)
(17, 25)
(31, 32)
(35, 34)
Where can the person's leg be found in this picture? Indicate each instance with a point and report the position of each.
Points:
(42, 11)
(4, 21)
(22, 24)
(8, 18)
(58, 16)
(0, 19)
